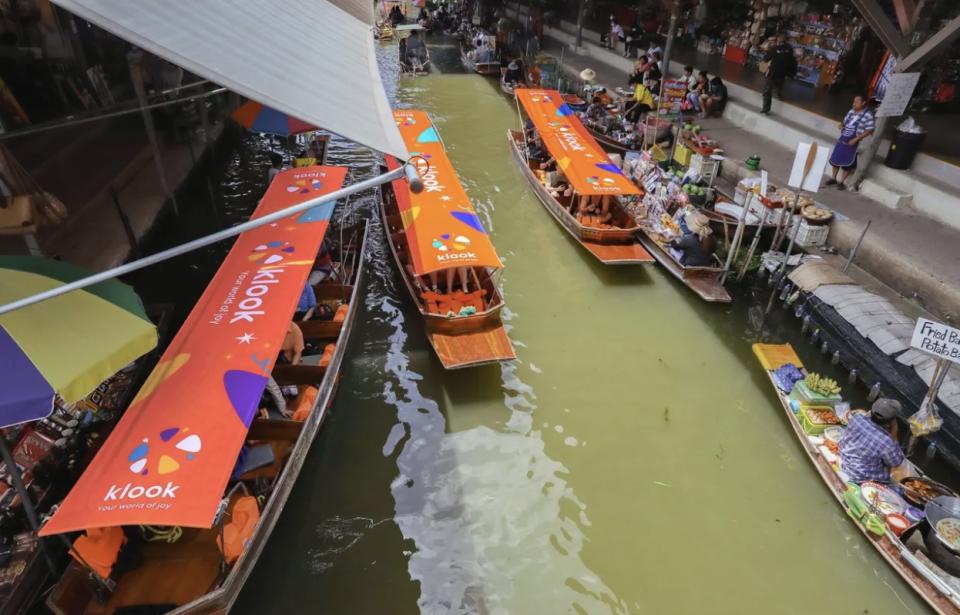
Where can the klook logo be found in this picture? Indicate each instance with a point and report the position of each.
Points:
(166, 455)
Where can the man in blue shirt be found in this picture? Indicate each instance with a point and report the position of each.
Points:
(868, 446)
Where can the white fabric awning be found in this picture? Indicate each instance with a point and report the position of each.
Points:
(311, 59)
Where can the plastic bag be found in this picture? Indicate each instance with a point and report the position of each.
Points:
(910, 125)
(925, 421)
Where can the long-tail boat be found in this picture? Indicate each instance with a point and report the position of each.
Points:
(589, 172)
(913, 566)
(488, 69)
(443, 253)
(196, 466)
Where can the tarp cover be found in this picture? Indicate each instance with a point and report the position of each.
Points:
(169, 458)
(311, 59)
(441, 226)
(584, 163)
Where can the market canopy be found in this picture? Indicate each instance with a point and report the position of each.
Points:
(582, 161)
(168, 460)
(440, 224)
(67, 345)
(311, 59)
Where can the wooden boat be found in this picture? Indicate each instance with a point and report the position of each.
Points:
(487, 69)
(189, 576)
(589, 172)
(615, 245)
(704, 281)
(407, 68)
(464, 325)
(909, 565)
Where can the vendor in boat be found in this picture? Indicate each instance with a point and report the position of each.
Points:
(514, 74)
(868, 446)
(596, 110)
(695, 247)
(642, 102)
(416, 51)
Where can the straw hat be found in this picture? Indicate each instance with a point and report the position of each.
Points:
(588, 74)
(698, 223)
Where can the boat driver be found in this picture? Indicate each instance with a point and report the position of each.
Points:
(868, 446)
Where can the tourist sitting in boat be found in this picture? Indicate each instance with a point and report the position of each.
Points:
(695, 247)
(642, 102)
(416, 53)
(596, 207)
(868, 446)
(276, 165)
(560, 187)
(483, 54)
(549, 165)
(291, 350)
(536, 152)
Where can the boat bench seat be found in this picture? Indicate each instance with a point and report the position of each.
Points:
(444, 303)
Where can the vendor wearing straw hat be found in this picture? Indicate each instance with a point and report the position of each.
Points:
(696, 246)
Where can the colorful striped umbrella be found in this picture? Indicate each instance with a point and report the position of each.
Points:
(259, 118)
(67, 345)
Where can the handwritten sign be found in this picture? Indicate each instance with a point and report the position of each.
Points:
(937, 339)
(898, 94)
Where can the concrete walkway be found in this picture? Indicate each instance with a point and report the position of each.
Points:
(915, 256)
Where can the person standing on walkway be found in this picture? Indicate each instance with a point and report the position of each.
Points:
(857, 125)
(781, 63)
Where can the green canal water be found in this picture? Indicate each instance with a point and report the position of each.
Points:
(632, 460)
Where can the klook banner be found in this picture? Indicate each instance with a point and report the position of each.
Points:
(581, 160)
(169, 458)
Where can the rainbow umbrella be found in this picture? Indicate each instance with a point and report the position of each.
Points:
(67, 345)
(259, 118)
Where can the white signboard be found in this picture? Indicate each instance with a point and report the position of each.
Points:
(898, 94)
(763, 183)
(811, 183)
(937, 339)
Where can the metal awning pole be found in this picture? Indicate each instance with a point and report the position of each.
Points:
(406, 170)
(13, 134)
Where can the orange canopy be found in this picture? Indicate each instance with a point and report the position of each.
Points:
(169, 458)
(584, 163)
(441, 226)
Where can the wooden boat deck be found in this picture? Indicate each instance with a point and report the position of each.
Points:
(616, 246)
(471, 349)
(889, 547)
(704, 281)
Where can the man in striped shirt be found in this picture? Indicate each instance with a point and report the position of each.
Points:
(856, 126)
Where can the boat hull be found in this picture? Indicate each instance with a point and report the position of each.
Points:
(703, 281)
(616, 246)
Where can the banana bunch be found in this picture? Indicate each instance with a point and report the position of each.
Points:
(827, 387)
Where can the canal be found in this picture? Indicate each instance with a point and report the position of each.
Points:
(632, 460)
